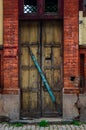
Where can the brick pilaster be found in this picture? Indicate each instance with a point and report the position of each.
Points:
(71, 49)
(10, 59)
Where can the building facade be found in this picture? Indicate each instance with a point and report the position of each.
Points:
(54, 33)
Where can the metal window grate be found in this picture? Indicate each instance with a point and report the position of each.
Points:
(30, 6)
(51, 6)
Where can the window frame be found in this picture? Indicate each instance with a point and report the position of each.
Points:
(41, 14)
(80, 5)
(48, 13)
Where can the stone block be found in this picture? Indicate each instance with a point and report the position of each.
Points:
(10, 106)
(70, 110)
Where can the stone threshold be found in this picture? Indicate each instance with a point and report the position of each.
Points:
(37, 120)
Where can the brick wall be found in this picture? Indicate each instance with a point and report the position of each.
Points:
(71, 50)
(1, 70)
(1, 22)
(10, 54)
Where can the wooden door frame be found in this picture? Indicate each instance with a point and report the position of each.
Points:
(20, 56)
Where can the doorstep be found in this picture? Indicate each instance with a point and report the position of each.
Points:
(37, 120)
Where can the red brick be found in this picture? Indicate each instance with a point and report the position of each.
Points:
(10, 54)
(71, 49)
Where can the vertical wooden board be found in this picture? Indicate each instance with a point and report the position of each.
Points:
(34, 51)
(57, 79)
(58, 100)
(33, 79)
(33, 101)
(48, 105)
(25, 101)
(33, 32)
(57, 32)
(29, 101)
(30, 32)
(24, 78)
(47, 33)
(48, 74)
(47, 55)
(56, 56)
(52, 32)
(24, 56)
(25, 34)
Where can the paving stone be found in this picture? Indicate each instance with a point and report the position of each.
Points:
(19, 128)
(3, 127)
(37, 128)
(77, 128)
(28, 127)
(11, 128)
(6, 128)
(68, 127)
(51, 127)
(64, 127)
(72, 127)
(33, 127)
(47, 128)
(24, 127)
(84, 125)
(55, 127)
(82, 128)
(14, 128)
(60, 127)
(42, 128)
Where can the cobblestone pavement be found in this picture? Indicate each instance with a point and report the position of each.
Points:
(36, 127)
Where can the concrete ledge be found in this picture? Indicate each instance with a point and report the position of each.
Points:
(10, 106)
(69, 109)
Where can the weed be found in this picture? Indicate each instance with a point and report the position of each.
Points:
(43, 123)
(78, 123)
(16, 124)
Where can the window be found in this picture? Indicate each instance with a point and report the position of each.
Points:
(40, 9)
(30, 6)
(51, 5)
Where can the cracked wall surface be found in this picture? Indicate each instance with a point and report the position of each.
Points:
(71, 110)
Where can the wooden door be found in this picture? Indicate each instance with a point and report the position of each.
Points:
(45, 41)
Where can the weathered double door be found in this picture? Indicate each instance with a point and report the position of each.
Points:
(45, 41)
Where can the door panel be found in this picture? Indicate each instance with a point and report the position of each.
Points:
(44, 40)
(30, 87)
(51, 62)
